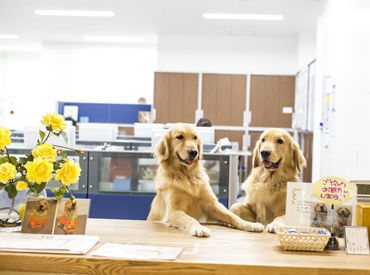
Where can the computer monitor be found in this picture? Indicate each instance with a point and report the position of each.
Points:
(207, 134)
(31, 135)
(97, 131)
(146, 129)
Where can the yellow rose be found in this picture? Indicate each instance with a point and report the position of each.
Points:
(54, 120)
(45, 151)
(39, 170)
(21, 185)
(4, 137)
(7, 172)
(69, 173)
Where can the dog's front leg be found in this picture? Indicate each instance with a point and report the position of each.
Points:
(278, 221)
(219, 213)
(179, 219)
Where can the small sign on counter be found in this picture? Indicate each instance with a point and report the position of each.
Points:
(357, 241)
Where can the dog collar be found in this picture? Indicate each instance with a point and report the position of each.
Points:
(39, 217)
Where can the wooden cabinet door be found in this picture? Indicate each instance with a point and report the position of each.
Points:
(175, 97)
(268, 95)
(224, 101)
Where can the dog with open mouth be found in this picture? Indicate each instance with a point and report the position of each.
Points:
(184, 196)
(69, 221)
(276, 160)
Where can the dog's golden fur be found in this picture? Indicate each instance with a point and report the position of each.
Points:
(343, 219)
(184, 196)
(266, 186)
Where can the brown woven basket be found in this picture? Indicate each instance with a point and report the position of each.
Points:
(310, 241)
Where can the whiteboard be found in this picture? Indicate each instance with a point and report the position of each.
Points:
(299, 119)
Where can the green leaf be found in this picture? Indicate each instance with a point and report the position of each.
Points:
(42, 134)
(40, 187)
(4, 160)
(13, 161)
(64, 154)
(59, 195)
(56, 165)
(49, 128)
(12, 191)
(56, 134)
(22, 160)
(64, 134)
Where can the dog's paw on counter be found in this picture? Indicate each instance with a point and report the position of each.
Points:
(273, 227)
(253, 226)
(199, 231)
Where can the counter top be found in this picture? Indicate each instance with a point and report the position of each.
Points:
(227, 251)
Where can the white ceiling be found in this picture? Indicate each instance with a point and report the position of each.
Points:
(148, 18)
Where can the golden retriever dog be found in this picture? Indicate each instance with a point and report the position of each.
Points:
(343, 214)
(320, 218)
(69, 221)
(184, 195)
(39, 214)
(277, 159)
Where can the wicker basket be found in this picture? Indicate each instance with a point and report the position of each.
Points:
(310, 241)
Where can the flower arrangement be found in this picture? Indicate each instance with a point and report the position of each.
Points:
(36, 169)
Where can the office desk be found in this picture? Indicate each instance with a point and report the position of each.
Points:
(227, 251)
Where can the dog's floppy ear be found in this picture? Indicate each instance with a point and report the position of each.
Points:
(256, 152)
(298, 160)
(162, 150)
(200, 149)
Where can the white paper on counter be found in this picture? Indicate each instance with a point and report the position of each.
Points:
(42, 243)
(145, 252)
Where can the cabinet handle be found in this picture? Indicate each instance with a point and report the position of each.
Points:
(90, 186)
(91, 158)
(83, 186)
(84, 158)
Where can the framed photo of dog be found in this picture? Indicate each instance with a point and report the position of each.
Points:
(50, 216)
(304, 209)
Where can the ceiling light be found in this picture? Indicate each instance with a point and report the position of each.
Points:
(235, 16)
(8, 36)
(75, 13)
(113, 39)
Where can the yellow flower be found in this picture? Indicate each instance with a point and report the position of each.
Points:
(21, 185)
(4, 137)
(45, 151)
(69, 173)
(7, 172)
(39, 170)
(54, 120)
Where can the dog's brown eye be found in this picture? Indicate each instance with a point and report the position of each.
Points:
(280, 141)
(195, 137)
(180, 137)
(263, 139)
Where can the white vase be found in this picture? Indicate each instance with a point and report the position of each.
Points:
(9, 210)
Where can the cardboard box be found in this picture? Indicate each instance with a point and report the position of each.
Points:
(363, 216)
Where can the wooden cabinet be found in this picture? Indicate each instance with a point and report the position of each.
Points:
(175, 97)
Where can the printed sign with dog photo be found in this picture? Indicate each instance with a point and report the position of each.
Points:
(50, 216)
(39, 215)
(304, 209)
(71, 217)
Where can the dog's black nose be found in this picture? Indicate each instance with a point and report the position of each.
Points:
(265, 153)
(321, 208)
(193, 153)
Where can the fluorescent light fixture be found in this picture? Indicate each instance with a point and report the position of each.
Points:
(8, 36)
(243, 16)
(113, 39)
(76, 13)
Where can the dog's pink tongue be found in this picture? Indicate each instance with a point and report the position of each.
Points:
(190, 161)
(267, 164)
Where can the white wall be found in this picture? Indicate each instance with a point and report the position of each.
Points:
(343, 54)
(227, 54)
(31, 83)
(306, 48)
